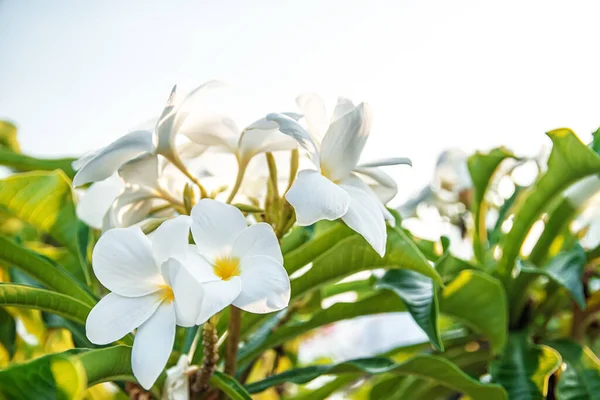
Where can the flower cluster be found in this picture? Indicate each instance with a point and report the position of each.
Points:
(177, 249)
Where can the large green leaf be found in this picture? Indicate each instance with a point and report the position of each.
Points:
(354, 254)
(481, 168)
(420, 296)
(44, 271)
(438, 369)
(8, 331)
(478, 300)
(566, 269)
(228, 385)
(570, 161)
(524, 368)
(51, 377)
(21, 162)
(45, 300)
(581, 378)
(378, 303)
(45, 201)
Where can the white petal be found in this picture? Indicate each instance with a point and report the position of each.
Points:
(142, 171)
(215, 226)
(187, 291)
(383, 185)
(315, 197)
(123, 262)
(343, 107)
(315, 114)
(84, 159)
(217, 296)
(256, 141)
(265, 285)
(387, 162)
(97, 199)
(200, 268)
(211, 129)
(257, 240)
(152, 345)
(344, 142)
(291, 127)
(265, 124)
(171, 238)
(365, 217)
(115, 316)
(108, 160)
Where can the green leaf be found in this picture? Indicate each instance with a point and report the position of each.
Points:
(449, 266)
(435, 368)
(8, 331)
(524, 368)
(581, 378)
(420, 297)
(45, 300)
(8, 136)
(22, 163)
(481, 168)
(229, 386)
(51, 377)
(566, 269)
(479, 301)
(378, 303)
(44, 271)
(570, 161)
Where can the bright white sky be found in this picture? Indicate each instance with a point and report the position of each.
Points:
(75, 75)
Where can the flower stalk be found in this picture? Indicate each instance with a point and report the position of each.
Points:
(211, 356)
(238, 180)
(233, 339)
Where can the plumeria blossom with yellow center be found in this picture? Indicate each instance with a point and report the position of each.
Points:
(152, 291)
(334, 188)
(238, 264)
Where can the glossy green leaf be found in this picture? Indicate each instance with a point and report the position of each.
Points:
(449, 266)
(524, 368)
(51, 377)
(378, 303)
(570, 161)
(438, 369)
(479, 301)
(354, 254)
(419, 295)
(566, 269)
(44, 271)
(45, 300)
(228, 385)
(481, 168)
(8, 136)
(8, 331)
(23, 163)
(580, 380)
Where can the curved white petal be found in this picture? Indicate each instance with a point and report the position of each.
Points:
(153, 344)
(84, 159)
(217, 296)
(343, 107)
(254, 141)
(315, 197)
(257, 240)
(365, 217)
(115, 316)
(97, 199)
(200, 268)
(265, 124)
(177, 384)
(131, 207)
(265, 285)
(108, 160)
(315, 114)
(123, 262)
(292, 128)
(142, 171)
(215, 226)
(187, 291)
(387, 162)
(383, 185)
(344, 142)
(211, 129)
(171, 238)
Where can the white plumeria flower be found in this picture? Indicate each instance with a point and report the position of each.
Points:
(102, 163)
(177, 384)
(238, 264)
(151, 290)
(334, 190)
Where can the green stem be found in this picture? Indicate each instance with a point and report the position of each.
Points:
(233, 339)
(180, 166)
(238, 180)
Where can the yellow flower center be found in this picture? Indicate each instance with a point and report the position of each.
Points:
(167, 293)
(227, 267)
